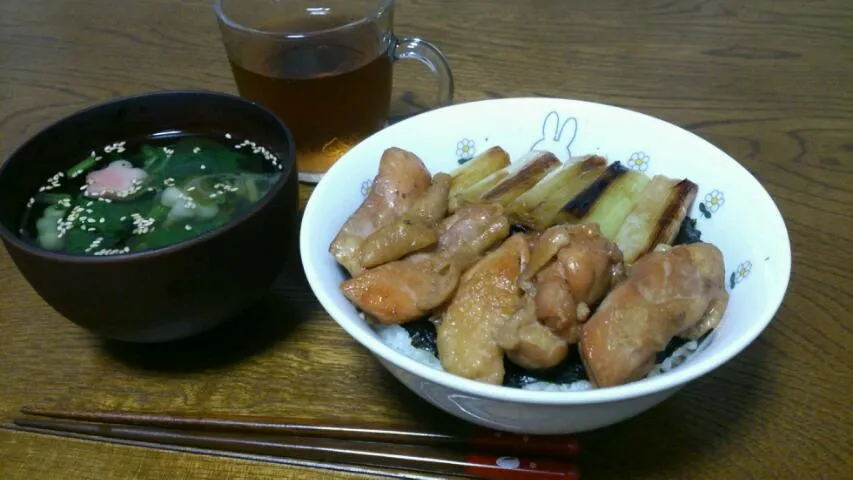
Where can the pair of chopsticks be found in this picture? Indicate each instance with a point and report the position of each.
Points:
(476, 453)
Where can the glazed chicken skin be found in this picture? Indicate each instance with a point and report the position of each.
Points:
(402, 179)
(583, 267)
(487, 297)
(414, 231)
(404, 290)
(668, 292)
(409, 289)
(571, 268)
(472, 230)
(526, 341)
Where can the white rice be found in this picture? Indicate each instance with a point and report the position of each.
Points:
(678, 357)
(398, 338)
(558, 387)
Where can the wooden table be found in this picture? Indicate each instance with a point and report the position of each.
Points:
(769, 81)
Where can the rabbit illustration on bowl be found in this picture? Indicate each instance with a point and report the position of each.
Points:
(557, 136)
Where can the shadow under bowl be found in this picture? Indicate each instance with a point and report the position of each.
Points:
(173, 292)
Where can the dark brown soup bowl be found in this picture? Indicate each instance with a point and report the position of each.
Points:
(172, 292)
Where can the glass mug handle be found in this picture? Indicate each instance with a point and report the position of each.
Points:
(415, 48)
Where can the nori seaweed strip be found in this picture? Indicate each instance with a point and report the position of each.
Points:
(568, 371)
(675, 344)
(688, 233)
(423, 334)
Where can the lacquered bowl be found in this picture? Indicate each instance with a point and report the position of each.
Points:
(173, 292)
(732, 209)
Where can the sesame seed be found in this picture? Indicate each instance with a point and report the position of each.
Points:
(95, 244)
(188, 227)
(122, 219)
(196, 150)
(228, 136)
(141, 224)
(203, 166)
(112, 251)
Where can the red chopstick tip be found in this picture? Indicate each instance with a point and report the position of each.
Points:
(515, 468)
(560, 446)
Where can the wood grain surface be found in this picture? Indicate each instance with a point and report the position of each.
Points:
(768, 81)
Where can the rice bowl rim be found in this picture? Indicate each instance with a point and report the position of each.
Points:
(695, 368)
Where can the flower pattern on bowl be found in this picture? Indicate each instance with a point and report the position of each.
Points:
(713, 201)
(740, 273)
(638, 161)
(365, 187)
(465, 150)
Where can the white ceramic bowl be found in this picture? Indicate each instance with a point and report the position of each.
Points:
(734, 212)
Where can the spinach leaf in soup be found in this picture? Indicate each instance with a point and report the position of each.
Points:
(86, 242)
(177, 232)
(194, 156)
(191, 184)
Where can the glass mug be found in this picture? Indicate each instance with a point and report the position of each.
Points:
(324, 67)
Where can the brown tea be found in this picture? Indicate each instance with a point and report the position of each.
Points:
(331, 90)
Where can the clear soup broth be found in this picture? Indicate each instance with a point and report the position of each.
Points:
(148, 193)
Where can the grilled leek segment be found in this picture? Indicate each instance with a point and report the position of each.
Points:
(492, 160)
(531, 168)
(538, 207)
(656, 217)
(607, 200)
(507, 183)
(537, 191)
(617, 202)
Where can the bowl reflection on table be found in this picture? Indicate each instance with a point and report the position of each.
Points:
(735, 213)
(165, 293)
